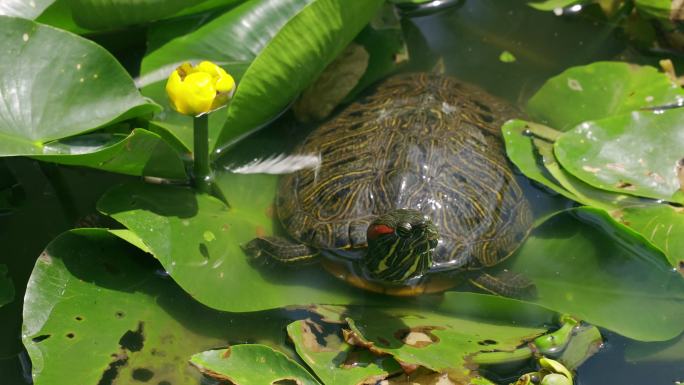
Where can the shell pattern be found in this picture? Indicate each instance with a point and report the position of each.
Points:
(420, 141)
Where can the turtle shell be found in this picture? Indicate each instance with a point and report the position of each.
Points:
(418, 141)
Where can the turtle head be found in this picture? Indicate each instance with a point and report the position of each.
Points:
(400, 245)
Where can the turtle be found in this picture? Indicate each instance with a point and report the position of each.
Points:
(412, 190)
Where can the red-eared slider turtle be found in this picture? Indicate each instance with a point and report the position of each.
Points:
(412, 187)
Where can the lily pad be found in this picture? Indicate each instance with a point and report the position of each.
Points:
(637, 153)
(97, 310)
(139, 153)
(59, 86)
(435, 341)
(333, 360)
(173, 223)
(599, 90)
(585, 264)
(24, 9)
(6, 287)
(251, 365)
(662, 225)
(289, 63)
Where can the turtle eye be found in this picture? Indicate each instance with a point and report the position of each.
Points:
(404, 229)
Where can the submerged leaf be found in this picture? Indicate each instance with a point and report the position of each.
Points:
(585, 264)
(251, 365)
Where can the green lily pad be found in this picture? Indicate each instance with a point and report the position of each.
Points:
(289, 63)
(23, 8)
(599, 90)
(139, 153)
(585, 264)
(662, 225)
(435, 341)
(97, 310)
(112, 14)
(251, 365)
(59, 86)
(6, 287)
(173, 223)
(635, 153)
(333, 360)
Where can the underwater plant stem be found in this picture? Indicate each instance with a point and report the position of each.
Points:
(201, 169)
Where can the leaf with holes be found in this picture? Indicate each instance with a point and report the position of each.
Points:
(333, 360)
(251, 365)
(98, 310)
(435, 341)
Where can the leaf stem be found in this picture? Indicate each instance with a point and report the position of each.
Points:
(202, 176)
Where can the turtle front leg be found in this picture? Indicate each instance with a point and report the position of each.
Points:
(263, 250)
(506, 283)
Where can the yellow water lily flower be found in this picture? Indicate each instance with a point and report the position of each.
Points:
(195, 90)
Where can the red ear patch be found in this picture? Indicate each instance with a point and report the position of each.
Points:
(378, 230)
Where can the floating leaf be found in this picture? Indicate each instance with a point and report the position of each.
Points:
(97, 309)
(636, 153)
(599, 90)
(585, 264)
(6, 287)
(172, 221)
(251, 365)
(333, 360)
(435, 341)
(289, 63)
(55, 84)
(140, 153)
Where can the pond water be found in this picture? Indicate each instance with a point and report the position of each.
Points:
(470, 37)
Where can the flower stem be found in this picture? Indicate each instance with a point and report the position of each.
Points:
(202, 171)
